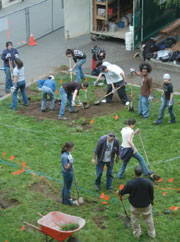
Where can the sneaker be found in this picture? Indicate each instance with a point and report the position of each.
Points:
(169, 122)
(97, 188)
(52, 109)
(74, 111)
(127, 103)
(62, 118)
(104, 101)
(156, 122)
(43, 110)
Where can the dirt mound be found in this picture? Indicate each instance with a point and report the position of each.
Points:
(99, 220)
(5, 203)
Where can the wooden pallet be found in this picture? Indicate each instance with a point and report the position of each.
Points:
(170, 27)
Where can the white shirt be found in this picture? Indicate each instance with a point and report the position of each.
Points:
(19, 73)
(113, 75)
(126, 132)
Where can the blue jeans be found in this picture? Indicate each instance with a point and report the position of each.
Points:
(142, 163)
(20, 85)
(66, 190)
(109, 174)
(64, 97)
(79, 71)
(8, 83)
(47, 91)
(144, 106)
(165, 103)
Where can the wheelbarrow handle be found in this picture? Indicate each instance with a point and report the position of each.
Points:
(33, 226)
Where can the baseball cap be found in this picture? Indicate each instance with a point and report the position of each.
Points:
(112, 134)
(51, 77)
(166, 76)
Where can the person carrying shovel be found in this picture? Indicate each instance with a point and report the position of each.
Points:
(115, 78)
(141, 196)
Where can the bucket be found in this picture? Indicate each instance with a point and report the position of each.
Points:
(128, 37)
(129, 46)
(131, 28)
(129, 17)
(121, 24)
(112, 27)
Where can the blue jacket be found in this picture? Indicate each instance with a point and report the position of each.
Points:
(6, 61)
(66, 158)
(101, 148)
(47, 83)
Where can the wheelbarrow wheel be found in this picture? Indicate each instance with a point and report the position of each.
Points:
(73, 240)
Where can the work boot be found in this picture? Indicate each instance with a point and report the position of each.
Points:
(74, 111)
(110, 190)
(43, 110)
(62, 118)
(97, 188)
(156, 122)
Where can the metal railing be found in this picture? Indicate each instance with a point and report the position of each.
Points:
(38, 19)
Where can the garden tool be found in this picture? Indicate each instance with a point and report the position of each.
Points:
(99, 101)
(144, 151)
(131, 107)
(127, 218)
(70, 66)
(80, 200)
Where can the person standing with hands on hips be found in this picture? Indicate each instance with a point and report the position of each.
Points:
(107, 147)
(129, 150)
(79, 58)
(67, 172)
(19, 83)
(146, 89)
(167, 99)
(8, 56)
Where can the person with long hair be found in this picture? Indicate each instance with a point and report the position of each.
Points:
(19, 83)
(129, 150)
(67, 172)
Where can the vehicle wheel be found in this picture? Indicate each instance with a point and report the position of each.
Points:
(93, 37)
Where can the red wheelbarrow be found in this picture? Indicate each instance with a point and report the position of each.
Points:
(51, 223)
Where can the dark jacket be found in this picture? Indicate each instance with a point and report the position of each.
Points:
(101, 148)
(13, 52)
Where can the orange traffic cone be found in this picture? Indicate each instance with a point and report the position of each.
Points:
(31, 41)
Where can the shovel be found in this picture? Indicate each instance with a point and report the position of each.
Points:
(80, 200)
(144, 151)
(131, 107)
(70, 68)
(127, 218)
(99, 101)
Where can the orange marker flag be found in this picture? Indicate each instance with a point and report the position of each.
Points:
(104, 203)
(121, 187)
(84, 89)
(160, 180)
(6, 241)
(22, 170)
(164, 193)
(22, 228)
(4, 153)
(12, 157)
(23, 164)
(61, 81)
(171, 180)
(102, 195)
(104, 168)
(86, 80)
(176, 208)
(19, 171)
(106, 198)
(116, 117)
(171, 208)
(92, 121)
(56, 91)
(14, 173)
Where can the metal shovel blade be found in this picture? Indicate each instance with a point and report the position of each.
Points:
(127, 222)
(81, 200)
(96, 102)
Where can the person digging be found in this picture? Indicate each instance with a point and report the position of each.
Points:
(115, 78)
(107, 147)
(141, 197)
(70, 91)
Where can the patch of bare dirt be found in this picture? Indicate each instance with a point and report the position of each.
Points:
(99, 220)
(8, 203)
(34, 109)
(43, 188)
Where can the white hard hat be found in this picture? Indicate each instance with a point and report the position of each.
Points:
(166, 77)
(51, 77)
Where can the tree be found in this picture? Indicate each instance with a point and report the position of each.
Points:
(168, 2)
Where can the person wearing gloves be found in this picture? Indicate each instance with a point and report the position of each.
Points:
(141, 198)
(67, 172)
(129, 150)
(19, 83)
(107, 147)
(47, 87)
(115, 78)
(167, 99)
(146, 89)
(8, 56)
(70, 91)
(79, 58)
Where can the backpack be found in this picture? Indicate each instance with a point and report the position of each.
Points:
(96, 51)
(149, 47)
(164, 55)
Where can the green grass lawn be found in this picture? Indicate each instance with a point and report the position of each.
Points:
(39, 145)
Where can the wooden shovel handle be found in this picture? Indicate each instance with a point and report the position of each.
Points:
(33, 226)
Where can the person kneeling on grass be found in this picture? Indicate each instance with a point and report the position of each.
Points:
(141, 196)
(67, 172)
(70, 90)
(167, 99)
(48, 87)
(129, 150)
